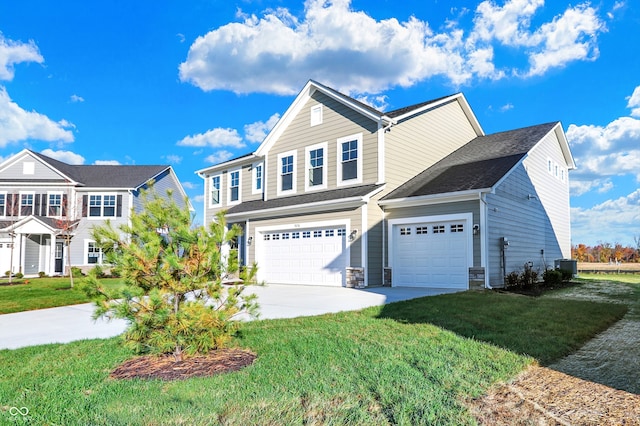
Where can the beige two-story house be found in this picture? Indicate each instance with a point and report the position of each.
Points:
(342, 194)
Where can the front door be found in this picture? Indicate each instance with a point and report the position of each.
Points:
(58, 258)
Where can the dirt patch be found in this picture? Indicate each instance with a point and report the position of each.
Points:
(165, 367)
(541, 396)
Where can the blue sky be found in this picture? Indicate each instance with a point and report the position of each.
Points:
(193, 83)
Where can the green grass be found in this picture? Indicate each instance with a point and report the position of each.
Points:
(623, 278)
(382, 365)
(42, 293)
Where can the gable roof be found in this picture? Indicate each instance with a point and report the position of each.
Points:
(479, 164)
(385, 119)
(105, 176)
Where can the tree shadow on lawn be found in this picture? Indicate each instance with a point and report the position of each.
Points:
(546, 329)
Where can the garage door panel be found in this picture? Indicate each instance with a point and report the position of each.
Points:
(312, 256)
(431, 254)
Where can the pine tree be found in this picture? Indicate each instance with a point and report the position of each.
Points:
(173, 297)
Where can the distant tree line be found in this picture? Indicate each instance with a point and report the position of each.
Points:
(607, 252)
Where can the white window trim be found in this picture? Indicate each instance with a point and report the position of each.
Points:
(307, 165)
(211, 203)
(254, 178)
(340, 141)
(279, 190)
(61, 194)
(316, 118)
(239, 200)
(3, 213)
(86, 254)
(33, 202)
(102, 216)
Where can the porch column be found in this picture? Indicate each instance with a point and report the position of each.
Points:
(52, 254)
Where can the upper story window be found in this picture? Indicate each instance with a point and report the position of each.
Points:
(3, 203)
(258, 178)
(234, 186)
(101, 205)
(215, 191)
(316, 170)
(316, 115)
(350, 159)
(287, 173)
(54, 204)
(26, 203)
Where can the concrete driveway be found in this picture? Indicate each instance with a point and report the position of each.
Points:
(70, 323)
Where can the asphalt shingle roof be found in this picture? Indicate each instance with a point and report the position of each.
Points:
(106, 176)
(479, 164)
(336, 194)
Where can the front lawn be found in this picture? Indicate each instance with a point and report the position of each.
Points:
(382, 365)
(39, 293)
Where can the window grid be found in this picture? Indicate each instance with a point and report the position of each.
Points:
(316, 160)
(438, 229)
(422, 230)
(405, 231)
(317, 234)
(342, 232)
(287, 173)
(350, 160)
(26, 204)
(306, 234)
(215, 190)
(234, 186)
(457, 228)
(54, 205)
(329, 233)
(295, 235)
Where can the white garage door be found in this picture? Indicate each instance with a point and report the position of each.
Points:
(431, 254)
(312, 256)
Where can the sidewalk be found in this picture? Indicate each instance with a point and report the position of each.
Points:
(69, 323)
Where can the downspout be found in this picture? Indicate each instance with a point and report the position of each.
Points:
(484, 235)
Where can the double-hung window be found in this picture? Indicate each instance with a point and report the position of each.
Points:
(102, 205)
(26, 204)
(54, 204)
(258, 178)
(287, 173)
(234, 186)
(350, 159)
(316, 170)
(94, 253)
(215, 190)
(3, 204)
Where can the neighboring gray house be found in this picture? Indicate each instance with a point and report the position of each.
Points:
(341, 194)
(42, 200)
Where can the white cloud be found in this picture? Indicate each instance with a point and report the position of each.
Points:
(189, 185)
(634, 102)
(214, 138)
(256, 132)
(173, 159)
(75, 98)
(106, 163)
(64, 156)
(198, 198)
(618, 219)
(506, 107)
(219, 157)
(19, 125)
(278, 51)
(15, 52)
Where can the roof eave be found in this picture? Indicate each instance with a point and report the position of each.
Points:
(227, 164)
(448, 197)
(344, 203)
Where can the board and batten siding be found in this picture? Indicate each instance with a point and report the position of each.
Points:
(417, 143)
(524, 222)
(338, 121)
(443, 209)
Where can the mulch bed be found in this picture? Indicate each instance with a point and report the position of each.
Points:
(541, 396)
(538, 290)
(165, 367)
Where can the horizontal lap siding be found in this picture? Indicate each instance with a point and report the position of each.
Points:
(338, 121)
(417, 143)
(41, 171)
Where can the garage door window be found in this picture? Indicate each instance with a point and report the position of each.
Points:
(438, 229)
(422, 230)
(405, 231)
(457, 228)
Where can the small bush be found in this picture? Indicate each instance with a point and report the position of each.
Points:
(566, 274)
(552, 277)
(76, 272)
(6, 274)
(19, 275)
(42, 274)
(512, 279)
(98, 271)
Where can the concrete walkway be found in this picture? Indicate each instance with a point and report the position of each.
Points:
(69, 323)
